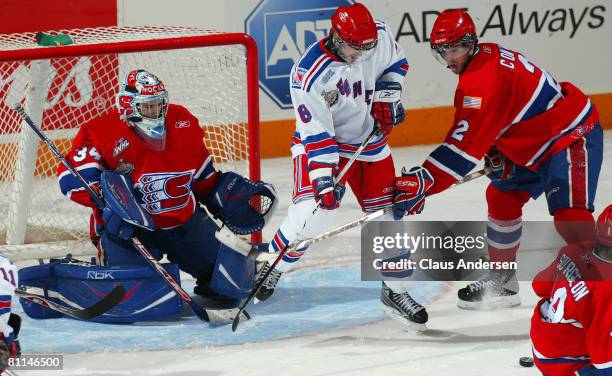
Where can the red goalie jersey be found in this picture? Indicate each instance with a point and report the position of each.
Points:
(168, 183)
(502, 99)
(572, 324)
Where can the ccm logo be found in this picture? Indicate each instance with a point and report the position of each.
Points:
(403, 183)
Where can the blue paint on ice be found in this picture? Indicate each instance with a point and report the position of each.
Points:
(306, 302)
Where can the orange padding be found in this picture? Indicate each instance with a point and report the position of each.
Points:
(422, 126)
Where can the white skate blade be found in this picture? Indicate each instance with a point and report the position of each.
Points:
(394, 315)
(491, 303)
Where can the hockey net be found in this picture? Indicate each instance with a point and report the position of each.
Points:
(213, 74)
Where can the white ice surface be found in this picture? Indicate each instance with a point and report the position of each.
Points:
(458, 343)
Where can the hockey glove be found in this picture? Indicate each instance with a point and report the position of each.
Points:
(503, 168)
(387, 110)
(9, 346)
(322, 179)
(410, 189)
(115, 225)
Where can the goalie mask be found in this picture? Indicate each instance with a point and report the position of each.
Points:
(143, 103)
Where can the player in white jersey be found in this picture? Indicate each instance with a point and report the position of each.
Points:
(344, 87)
(10, 323)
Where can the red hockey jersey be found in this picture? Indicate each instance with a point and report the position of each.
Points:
(166, 182)
(572, 324)
(503, 99)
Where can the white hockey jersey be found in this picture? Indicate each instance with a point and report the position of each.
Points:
(332, 100)
(8, 282)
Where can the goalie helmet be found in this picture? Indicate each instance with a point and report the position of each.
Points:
(604, 227)
(142, 102)
(453, 34)
(353, 31)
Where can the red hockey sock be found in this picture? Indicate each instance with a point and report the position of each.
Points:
(575, 225)
(505, 224)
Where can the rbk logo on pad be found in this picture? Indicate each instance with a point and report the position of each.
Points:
(283, 31)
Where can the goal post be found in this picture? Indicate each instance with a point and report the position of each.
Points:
(213, 74)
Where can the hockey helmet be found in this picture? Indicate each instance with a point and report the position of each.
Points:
(453, 34)
(353, 27)
(603, 228)
(142, 102)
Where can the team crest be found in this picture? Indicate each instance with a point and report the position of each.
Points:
(331, 97)
(124, 167)
(182, 124)
(120, 146)
(297, 78)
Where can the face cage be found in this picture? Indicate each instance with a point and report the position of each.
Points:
(339, 43)
(443, 52)
(151, 129)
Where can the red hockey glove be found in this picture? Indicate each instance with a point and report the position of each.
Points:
(503, 168)
(410, 189)
(387, 110)
(322, 179)
(9, 346)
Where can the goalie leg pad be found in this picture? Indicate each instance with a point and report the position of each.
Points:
(233, 275)
(82, 284)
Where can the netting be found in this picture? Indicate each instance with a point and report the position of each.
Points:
(64, 92)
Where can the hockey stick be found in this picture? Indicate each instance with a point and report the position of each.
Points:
(197, 310)
(282, 253)
(378, 213)
(100, 307)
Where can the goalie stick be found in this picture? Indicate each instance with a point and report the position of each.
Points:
(100, 307)
(265, 256)
(197, 310)
(280, 255)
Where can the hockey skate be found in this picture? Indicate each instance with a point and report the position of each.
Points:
(267, 289)
(403, 308)
(493, 291)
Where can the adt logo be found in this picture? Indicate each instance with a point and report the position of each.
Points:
(283, 30)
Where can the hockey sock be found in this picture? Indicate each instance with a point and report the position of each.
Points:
(505, 226)
(575, 225)
(504, 238)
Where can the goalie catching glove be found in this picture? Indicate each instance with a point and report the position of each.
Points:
(9, 346)
(410, 189)
(387, 110)
(241, 204)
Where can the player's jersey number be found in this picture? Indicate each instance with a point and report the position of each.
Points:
(461, 128)
(304, 113)
(82, 153)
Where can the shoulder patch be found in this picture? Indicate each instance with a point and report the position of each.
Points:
(472, 102)
(298, 78)
(331, 97)
(327, 76)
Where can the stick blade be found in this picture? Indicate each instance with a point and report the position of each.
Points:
(104, 305)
